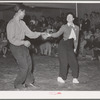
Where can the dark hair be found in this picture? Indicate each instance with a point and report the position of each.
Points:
(19, 6)
(71, 14)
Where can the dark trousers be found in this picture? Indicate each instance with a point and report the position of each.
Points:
(23, 58)
(67, 57)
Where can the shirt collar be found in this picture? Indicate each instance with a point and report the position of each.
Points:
(70, 25)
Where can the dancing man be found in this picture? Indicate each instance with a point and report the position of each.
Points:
(67, 49)
(16, 32)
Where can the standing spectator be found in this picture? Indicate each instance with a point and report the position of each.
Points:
(90, 46)
(86, 23)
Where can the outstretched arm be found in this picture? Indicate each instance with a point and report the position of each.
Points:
(29, 33)
(56, 34)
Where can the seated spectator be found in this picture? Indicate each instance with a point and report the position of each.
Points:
(97, 48)
(32, 25)
(42, 49)
(46, 46)
(86, 42)
(3, 44)
(97, 33)
(55, 49)
(57, 24)
(83, 43)
(89, 47)
(43, 23)
(84, 39)
(90, 43)
(89, 34)
(49, 29)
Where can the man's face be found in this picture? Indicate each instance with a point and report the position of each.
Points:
(21, 14)
(70, 18)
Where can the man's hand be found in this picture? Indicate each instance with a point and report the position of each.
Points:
(45, 35)
(27, 43)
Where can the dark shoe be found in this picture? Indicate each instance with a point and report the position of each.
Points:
(20, 87)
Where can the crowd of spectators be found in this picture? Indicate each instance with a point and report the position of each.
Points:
(3, 38)
(89, 37)
(49, 25)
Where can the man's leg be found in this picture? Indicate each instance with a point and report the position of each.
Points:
(30, 77)
(63, 61)
(20, 55)
(73, 64)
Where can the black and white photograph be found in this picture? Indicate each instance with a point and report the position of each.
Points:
(50, 46)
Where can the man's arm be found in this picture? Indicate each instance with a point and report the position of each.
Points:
(29, 33)
(58, 33)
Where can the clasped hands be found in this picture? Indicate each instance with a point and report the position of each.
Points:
(45, 35)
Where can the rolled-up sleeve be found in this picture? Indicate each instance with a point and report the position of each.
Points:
(11, 35)
(29, 33)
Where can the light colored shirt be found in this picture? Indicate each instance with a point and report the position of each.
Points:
(16, 32)
(72, 34)
(66, 30)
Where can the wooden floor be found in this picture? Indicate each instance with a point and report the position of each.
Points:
(46, 71)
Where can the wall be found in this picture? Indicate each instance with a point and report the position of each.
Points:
(82, 8)
(1, 15)
(52, 12)
(8, 14)
(87, 8)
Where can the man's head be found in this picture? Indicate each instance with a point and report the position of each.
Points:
(70, 18)
(86, 16)
(20, 11)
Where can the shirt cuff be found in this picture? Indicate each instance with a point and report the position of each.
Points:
(22, 42)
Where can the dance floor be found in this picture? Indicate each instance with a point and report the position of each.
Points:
(46, 71)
